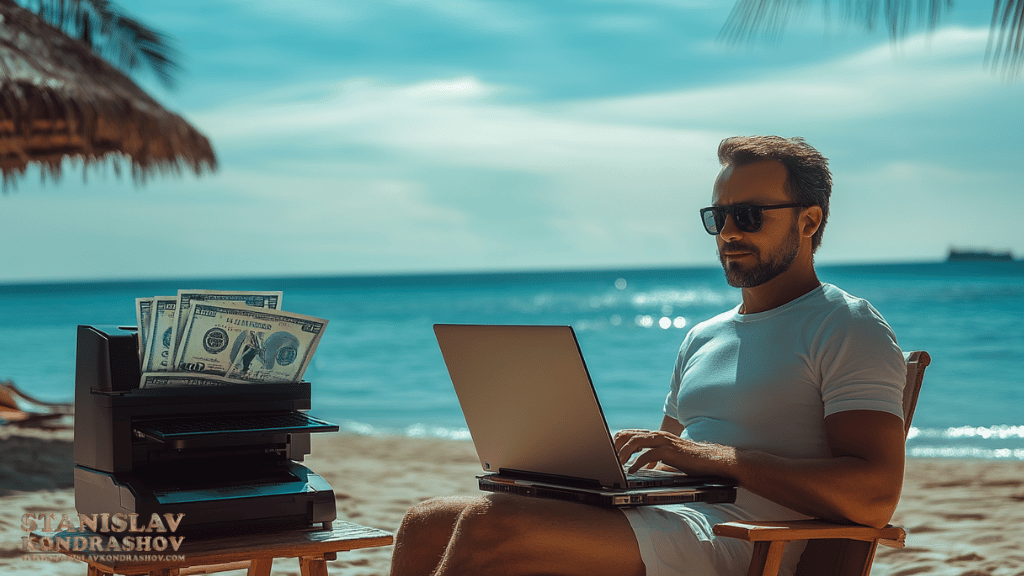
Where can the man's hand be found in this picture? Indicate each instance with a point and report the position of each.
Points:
(660, 446)
(859, 481)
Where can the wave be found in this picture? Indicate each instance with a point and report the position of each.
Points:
(411, 431)
(965, 452)
(985, 442)
(984, 432)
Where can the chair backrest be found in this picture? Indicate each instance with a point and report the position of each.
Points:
(916, 363)
(851, 557)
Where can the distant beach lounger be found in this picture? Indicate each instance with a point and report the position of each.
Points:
(20, 409)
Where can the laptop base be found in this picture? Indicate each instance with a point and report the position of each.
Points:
(609, 498)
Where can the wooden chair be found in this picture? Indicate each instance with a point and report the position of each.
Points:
(832, 549)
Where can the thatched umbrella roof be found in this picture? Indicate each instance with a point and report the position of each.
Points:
(60, 100)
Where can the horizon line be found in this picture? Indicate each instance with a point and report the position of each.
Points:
(423, 274)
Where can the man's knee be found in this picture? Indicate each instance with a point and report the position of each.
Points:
(506, 534)
(486, 538)
(441, 510)
(502, 520)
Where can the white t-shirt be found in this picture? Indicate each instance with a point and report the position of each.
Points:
(766, 382)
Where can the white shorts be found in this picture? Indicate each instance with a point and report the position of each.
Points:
(677, 540)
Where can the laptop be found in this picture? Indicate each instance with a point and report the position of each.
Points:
(538, 427)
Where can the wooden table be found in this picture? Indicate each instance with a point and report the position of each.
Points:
(313, 548)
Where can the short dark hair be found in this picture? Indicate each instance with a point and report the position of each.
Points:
(808, 180)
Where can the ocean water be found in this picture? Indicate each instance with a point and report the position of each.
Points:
(378, 369)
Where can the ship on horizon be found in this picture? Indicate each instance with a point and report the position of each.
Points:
(978, 255)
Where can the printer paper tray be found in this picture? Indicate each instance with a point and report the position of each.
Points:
(165, 429)
(210, 495)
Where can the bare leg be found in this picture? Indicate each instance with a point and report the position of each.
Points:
(424, 535)
(501, 534)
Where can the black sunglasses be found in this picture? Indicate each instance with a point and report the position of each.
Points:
(748, 217)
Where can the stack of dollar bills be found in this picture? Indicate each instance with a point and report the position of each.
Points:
(211, 337)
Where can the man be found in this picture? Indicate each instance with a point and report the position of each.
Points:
(795, 394)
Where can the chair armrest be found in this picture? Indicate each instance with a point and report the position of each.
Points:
(773, 531)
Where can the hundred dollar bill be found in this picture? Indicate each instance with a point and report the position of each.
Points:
(249, 344)
(161, 335)
(255, 299)
(143, 316)
(179, 379)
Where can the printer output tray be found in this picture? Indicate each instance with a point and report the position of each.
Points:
(185, 428)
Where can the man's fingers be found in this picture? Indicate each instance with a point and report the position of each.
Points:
(626, 446)
(651, 456)
(637, 442)
(623, 436)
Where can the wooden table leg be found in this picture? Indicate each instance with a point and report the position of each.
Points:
(313, 566)
(260, 567)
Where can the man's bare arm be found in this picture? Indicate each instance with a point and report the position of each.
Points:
(671, 425)
(860, 482)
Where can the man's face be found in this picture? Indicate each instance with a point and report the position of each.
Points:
(753, 258)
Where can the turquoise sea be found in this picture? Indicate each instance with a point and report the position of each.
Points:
(378, 369)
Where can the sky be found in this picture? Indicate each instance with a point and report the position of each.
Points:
(409, 136)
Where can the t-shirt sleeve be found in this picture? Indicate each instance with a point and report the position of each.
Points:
(862, 365)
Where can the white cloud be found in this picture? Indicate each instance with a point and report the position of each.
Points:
(481, 123)
(451, 122)
(881, 81)
(607, 189)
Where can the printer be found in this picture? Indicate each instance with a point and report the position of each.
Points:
(224, 457)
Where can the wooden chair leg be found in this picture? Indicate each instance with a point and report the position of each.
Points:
(836, 557)
(95, 571)
(767, 558)
(313, 566)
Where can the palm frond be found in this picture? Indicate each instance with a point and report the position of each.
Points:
(124, 41)
(900, 17)
(1007, 47)
(753, 19)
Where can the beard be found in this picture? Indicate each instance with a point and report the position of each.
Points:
(763, 270)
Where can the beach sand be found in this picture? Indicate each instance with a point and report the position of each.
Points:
(964, 517)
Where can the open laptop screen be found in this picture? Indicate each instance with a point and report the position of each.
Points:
(529, 401)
